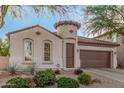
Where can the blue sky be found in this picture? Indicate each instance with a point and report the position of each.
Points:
(46, 20)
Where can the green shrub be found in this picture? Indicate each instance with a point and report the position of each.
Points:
(9, 86)
(12, 70)
(17, 82)
(45, 78)
(65, 82)
(78, 71)
(84, 79)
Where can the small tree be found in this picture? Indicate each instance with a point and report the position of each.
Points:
(4, 47)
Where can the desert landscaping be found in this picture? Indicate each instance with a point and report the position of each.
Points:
(98, 81)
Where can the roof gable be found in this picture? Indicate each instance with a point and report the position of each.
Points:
(31, 27)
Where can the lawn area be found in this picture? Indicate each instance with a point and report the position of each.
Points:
(102, 82)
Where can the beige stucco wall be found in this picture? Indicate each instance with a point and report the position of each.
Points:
(64, 31)
(120, 50)
(68, 37)
(4, 62)
(16, 48)
(58, 48)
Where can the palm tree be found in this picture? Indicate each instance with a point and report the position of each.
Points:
(16, 10)
(105, 18)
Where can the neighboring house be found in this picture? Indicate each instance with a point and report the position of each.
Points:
(118, 38)
(63, 49)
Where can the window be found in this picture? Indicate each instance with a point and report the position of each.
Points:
(114, 37)
(28, 50)
(47, 50)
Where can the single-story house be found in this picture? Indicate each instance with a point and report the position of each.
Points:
(117, 38)
(62, 49)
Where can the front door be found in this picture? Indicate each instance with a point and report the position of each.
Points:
(70, 55)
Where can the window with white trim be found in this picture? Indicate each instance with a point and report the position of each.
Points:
(28, 50)
(47, 50)
(114, 37)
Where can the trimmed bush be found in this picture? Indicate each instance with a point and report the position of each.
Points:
(78, 71)
(17, 82)
(45, 78)
(65, 82)
(9, 86)
(84, 79)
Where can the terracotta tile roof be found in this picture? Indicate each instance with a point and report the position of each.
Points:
(67, 22)
(81, 40)
(92, 41)
(24, 29)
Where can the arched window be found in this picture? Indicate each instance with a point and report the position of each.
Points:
(47, 50)
(28, 50)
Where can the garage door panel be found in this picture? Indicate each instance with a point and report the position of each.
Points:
(93, 59)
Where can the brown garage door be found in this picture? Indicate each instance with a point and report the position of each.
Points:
(95, 59)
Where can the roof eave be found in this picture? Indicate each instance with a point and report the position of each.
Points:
(8, 34)
(114, 45)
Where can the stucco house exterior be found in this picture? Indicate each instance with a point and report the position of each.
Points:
(117, 38)
(64, 48)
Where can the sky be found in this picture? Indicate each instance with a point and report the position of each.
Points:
(46, 20)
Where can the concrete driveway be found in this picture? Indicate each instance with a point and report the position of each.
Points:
(115, 74)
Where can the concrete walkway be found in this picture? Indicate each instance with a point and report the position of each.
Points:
(115, 74)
